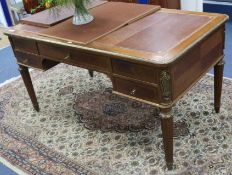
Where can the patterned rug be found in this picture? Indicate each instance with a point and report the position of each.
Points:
(83, 128)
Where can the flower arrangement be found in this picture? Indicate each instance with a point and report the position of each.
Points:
(44, 4)
(81, 14)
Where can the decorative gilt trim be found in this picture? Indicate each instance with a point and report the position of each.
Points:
(165, 85)
(221, 62)
(164, 106)
(165, 115)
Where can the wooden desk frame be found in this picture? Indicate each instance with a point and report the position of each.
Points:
(164, 86)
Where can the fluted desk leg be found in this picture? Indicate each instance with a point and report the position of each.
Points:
(167, 132)
(218, 78)
(29, 86)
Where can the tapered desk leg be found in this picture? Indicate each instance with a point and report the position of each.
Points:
(218, 78)
(167, 132)
(27, 81)
(91, 73)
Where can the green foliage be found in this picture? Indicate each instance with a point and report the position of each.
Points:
(58, 4)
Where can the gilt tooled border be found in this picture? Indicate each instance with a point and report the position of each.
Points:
(165, 85)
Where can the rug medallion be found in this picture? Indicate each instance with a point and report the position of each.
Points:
(83, 128)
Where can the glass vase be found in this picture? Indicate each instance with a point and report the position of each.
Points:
(81, 15)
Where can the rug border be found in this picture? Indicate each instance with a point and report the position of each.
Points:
(9, 81)
(12, 167)
(12, 79)
(92, 172)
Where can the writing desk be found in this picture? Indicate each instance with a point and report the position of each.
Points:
(155, 59)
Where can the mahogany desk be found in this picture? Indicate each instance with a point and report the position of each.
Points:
(155, 60)
(170, 4)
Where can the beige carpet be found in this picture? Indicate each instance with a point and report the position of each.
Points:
(3, 39)
(65, 137)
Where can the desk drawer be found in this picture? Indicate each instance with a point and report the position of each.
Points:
(133, 70)
(75, 57)
(90, 60)
(28, 59)
(137, 90)
(53, 51)
(24, 45)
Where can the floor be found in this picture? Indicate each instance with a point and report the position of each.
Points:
(8, 68)
(3, 39)
(225, 8)
(6, 171)
(4, 42)
(228, 51)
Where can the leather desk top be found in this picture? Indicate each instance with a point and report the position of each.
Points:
(46, 19)
(160, 38)
(108, 17)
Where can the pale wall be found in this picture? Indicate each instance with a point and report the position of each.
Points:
(192, 5)
(2, 17)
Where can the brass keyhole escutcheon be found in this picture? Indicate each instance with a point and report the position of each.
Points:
(133, 92)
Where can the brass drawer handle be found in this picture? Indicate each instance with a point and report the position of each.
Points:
(25, 60)
(133, 92)
(67, 57)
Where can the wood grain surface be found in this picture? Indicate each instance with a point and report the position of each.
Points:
(155, 59)
(55, 15)
(107, 18)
